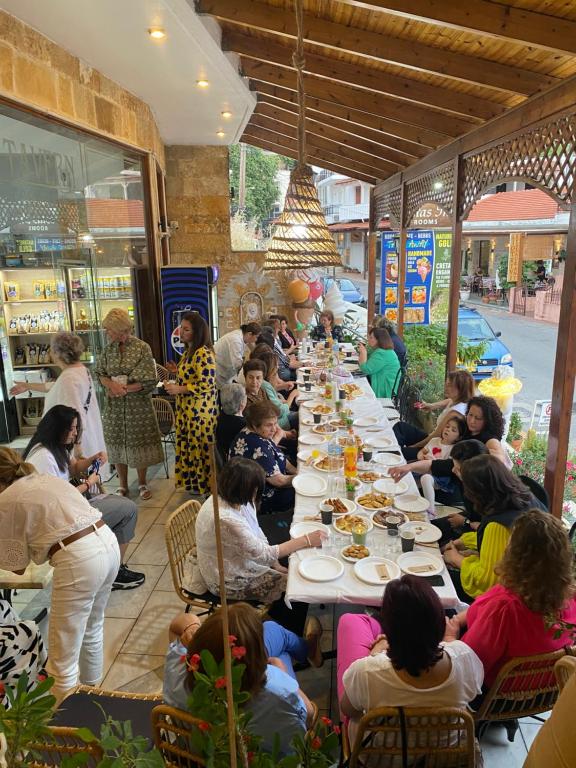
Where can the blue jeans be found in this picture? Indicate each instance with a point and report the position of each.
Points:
(284, 645)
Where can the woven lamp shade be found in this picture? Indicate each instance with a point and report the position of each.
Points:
(301, 237)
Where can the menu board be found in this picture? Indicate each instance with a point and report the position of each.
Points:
(418, 283)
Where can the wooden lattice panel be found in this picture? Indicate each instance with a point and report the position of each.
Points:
(434, 187)
(543, 156)
(387, 206)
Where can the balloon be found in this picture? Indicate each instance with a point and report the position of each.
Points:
(315, 289)
(298, 291)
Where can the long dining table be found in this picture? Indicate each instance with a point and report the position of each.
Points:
(348, 588)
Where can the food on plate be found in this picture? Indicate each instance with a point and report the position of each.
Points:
(330, 464)
(352, 390)
(356, 552)
(369, 477)
(380, 517)
(375, 500)
(344, 440)
(417, 516)
(325, 429)
(391, 314)
(338, 423)
(426, 568)
(419, 295)
(323, 409)
(349, 522)
(382, 571)
(338, 506)
(391, 296)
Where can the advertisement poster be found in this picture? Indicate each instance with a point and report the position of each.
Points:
(418, 284)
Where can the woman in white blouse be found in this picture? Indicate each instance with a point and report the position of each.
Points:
(252, 568)
(44, 518)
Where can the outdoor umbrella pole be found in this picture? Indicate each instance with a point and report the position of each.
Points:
(224, 609)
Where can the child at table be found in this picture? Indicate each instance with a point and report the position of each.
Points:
(440, 448)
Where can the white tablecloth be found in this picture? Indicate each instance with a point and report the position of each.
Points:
(348, 588)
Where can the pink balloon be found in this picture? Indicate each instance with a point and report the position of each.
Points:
(315, 289)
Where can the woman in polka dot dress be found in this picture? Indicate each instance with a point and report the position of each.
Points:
(196, 405)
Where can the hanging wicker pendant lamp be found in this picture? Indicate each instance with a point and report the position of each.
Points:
(301, 237)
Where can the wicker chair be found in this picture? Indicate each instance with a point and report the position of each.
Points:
(172, 730)
(435, 737)
(60, 742)
(166, 422)
(563, 670)
(162, 373)
(524, 687)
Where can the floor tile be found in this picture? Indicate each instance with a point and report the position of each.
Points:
(498, 752)
(128, 604)
(130, 669)
(316, 685)
(165, 582)
(152, 549)
(161, 489)
(146, 517)
(115, 633)
(149, 634)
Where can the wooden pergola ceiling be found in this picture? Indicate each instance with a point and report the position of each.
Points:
(389, 81)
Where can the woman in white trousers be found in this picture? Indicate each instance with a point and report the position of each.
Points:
(44, 518)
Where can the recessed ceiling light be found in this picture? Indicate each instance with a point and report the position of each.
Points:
(226, 114)
(157, 33)
(202, 83)
(220, 134)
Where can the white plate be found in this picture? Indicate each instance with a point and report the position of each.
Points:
(348, 503)
(394, 512)
(351, 559)
(365, 570)
(350, 366)
(307, 420)
(380, 442)
(388, 486)
(309, 485)
(389, 459)
(391, 413)
(306, 453)
(312, 439)
(411, 503)
(425, 533)
(370, 510)
(366, 421)
(364, 517)
(320, 429)
(320, 568)
(409, 559)
(337, 468)
(304, 397)
(312, 403)
(302, 528)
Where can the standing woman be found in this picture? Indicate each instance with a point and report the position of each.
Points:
(127, 373)
(196, 405)
(44, 518)
(381, 364)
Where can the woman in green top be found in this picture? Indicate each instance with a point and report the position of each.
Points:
(288, 419)
(380, 362)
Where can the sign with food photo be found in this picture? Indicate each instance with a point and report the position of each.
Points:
(419, 272)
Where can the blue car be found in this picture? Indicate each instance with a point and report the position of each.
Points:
(473, 327)
(349, 290)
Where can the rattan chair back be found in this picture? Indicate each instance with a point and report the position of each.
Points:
(60, 742)
(173, 729)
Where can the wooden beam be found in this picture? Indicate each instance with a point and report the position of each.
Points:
(362, 42)
(455, 272)
(322, 131)
(333, 152)
(256, 141)
(363, 76)
(348, 133)
(484, 17)
(372, 245)
(404, 135)
(365, 101)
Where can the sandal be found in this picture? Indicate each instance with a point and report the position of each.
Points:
(121, 491)
(312, 635)
(145, 492)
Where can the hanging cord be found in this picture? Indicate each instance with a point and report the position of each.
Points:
(299, 61)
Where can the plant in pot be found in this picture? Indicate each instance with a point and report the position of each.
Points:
(464, 289)
(515, 436)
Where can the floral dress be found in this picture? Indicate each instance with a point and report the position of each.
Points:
(196, 416)
(21, 651)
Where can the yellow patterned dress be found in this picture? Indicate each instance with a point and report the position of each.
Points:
(196, 416)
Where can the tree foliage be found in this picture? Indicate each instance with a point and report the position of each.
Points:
(261, 185)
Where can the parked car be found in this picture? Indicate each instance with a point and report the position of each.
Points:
(475, 328)
(349, 289)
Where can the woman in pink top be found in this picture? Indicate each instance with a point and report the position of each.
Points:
(536, 582)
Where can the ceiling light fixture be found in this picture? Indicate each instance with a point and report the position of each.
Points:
(157, 33)
(202, 83)
(438, 185)
(220, 134)
(226, 114)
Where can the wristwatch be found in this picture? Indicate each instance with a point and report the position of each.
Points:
(466, 521)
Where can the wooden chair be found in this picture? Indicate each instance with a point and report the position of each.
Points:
(172, 730)
(180, 532)
(524, 687)
(60, 742)
(167, 423)
(162, 373)
(435, 737)
(563, 670)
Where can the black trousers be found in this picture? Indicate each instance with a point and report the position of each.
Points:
(407, 435)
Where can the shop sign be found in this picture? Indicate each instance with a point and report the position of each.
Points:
(541, 414)
(516, 249)
(418, 283)
(430, 215)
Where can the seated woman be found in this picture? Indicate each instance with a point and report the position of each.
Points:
(459, 390)
(254, 374)
(326, 328)
(277, 705)
(286, 336)
(400, 659)
(380, 363)
(230, 419)
(260, 351)
(534, 590)
(50, 451)
(288, 418)
(500, 498)
(256, 441)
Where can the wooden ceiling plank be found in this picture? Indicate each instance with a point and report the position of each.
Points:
(332, 131)
(362, 42)
(406, 135)
(486, 18)
(331, 156)
(381, 82)
(324, 143)
(256, 141)
(365, 101)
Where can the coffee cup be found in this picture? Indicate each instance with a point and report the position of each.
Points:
(342, 394)
(392, 522)
(305, 377)
(367, 453)
(326, 512)
(407, 539)
(317, 418)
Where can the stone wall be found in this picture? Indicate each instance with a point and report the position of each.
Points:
(40, 74)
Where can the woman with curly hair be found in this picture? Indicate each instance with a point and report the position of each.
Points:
(499, 497)
(535, 590)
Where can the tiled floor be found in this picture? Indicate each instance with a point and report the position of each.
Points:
(136, 626)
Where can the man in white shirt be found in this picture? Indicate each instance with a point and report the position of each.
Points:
(230, 350)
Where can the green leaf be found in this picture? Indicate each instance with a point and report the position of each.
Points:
(86, 735)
